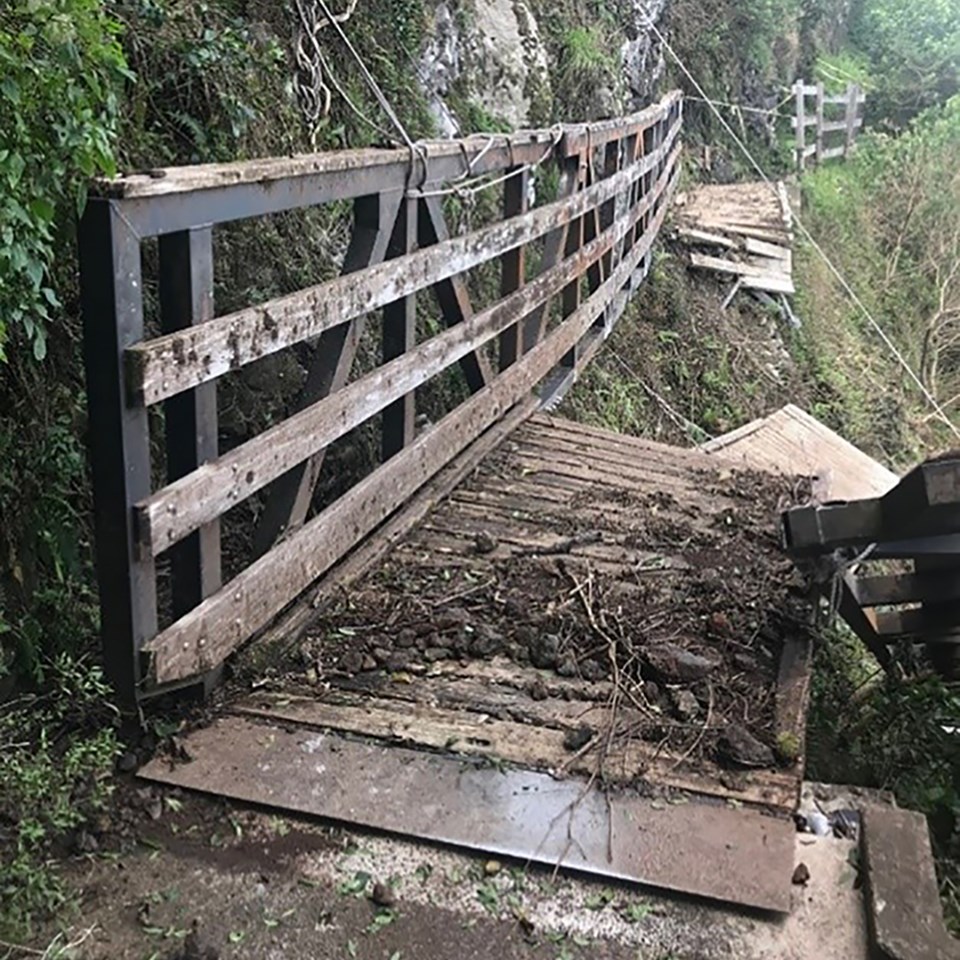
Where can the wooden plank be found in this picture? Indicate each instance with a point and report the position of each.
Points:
(800, 125)
(289, 499)
(793, 694)
(719, 265)
(704, 237)
(392, 166)
(876, 591)
(764, 249)
(171, 513)
(246, 604)
(833, 152)
(470, 734)
(770, 284)
(160, 368)
(853, 121)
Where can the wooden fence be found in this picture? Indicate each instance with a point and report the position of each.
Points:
(591, 246)
(832, 122)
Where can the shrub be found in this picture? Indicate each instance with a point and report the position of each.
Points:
(61, 67)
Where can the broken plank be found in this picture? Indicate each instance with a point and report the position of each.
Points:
(771, 284)
(719, 265)
(706, 238)
(532, 746)
(763, 248)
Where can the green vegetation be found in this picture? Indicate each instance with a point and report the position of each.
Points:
(60, 70)
(894, 734)
(889, 220)
(914, 54)
(56, 758)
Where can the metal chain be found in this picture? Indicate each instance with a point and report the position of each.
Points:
(313, 93)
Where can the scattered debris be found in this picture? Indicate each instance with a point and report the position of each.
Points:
(801, 875)
(383, 895)
(742, 748)
(685, 705)
(484, 543)
(676, 664)
(747, 227)
(579, 738)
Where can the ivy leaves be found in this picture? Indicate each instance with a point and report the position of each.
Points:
(62, 69)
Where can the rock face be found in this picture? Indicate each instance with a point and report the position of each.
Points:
(495, 51)
(641, 53)
(492, 54)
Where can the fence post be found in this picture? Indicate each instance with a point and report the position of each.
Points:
(801, 126)
(516, 195)
(820, 95)
(112, 307)
(400, 335)
(186, 298)
(853, 106)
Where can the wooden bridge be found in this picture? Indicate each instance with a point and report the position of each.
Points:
(162, 486)
(558, 644)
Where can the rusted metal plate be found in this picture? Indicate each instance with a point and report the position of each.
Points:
(739, 856)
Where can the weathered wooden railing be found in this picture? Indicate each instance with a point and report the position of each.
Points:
(834, 121)
(593, 245)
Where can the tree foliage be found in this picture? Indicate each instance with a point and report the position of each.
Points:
(61, 67)
(914, 49)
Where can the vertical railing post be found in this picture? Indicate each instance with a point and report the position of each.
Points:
(820, 96)
(516, 195)
(111, 291)
(853, 105)
(570, 297)
(186, 298)
(801, 126)
(399, 336)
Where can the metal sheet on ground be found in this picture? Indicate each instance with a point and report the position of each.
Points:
(739, 856)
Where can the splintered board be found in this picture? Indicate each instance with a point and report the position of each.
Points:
(438, 718)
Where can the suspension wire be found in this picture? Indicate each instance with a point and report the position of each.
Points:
(851, 293)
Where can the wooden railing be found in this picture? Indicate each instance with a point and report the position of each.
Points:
(831, 120)
(592, 246)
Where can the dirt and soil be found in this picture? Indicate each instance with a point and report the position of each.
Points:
(691, 637)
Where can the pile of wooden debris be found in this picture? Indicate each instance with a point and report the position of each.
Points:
(743, 230)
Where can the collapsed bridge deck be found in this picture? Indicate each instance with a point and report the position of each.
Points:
(591, 652)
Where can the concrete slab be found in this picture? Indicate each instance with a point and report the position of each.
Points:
(904, 911)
